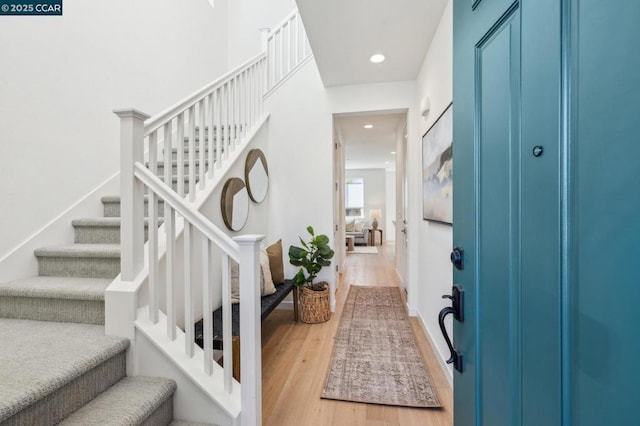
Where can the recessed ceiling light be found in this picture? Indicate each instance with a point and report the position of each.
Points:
(387, 162)
(393, 152)
(368, 126)
(377, 58)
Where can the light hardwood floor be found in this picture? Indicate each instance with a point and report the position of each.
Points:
(295, 359)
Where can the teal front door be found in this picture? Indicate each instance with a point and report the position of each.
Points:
(547, 211)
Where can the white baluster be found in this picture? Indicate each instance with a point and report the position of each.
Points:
(243, 104)
(271, 52)
(238, 107)
(180, 157)
(153, 232)
(281, 55)
(170, 232)
(226, 132)
(212, 134)
(203, 136)
(234, 118)
(219, 128)
(192, 152)
(288, 45)
(188, 302)
(261, 87)
(254, 99)
(227, 345)
(207, 309)
(256, 90)
(296, 38)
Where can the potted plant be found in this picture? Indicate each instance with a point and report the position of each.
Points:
(314, 255)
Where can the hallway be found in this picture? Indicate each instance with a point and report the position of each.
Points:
(296, 356)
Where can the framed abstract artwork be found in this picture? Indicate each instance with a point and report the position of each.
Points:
(437, 169)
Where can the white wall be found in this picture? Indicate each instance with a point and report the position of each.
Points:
(375, 193)
(435, 239)
(390, 203)
(301, 154)
(300, 157)
(245, 18)
(62, 76)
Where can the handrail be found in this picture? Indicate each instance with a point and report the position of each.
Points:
(282, 23)
(182, 207)
(158, 120)
(287, 49)
(195, 141)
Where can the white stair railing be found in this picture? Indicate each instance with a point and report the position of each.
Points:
(195, 138)
(287, 49)
(197, 135)
(180, 213)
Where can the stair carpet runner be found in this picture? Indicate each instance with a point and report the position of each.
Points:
(56, 363)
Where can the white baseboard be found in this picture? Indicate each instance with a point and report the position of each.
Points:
(442, 360)
(413, 312)
(286, 305)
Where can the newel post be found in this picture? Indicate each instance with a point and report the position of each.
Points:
(250, 331)
(131, 192)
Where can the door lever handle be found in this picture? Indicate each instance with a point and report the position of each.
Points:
(457, 309)
(457, 302)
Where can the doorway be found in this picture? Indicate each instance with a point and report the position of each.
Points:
(368, 154)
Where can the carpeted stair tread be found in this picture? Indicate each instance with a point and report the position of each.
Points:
(57, 288)
(80, 250)
(175, 162)
(185, 423)
(97, 221)
(102, 230)
(38, 357)
(111, 205)
(116, 198)
(128, 402)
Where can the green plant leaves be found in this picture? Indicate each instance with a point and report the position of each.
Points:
(299, 278)
(315, 255)
(321, 239)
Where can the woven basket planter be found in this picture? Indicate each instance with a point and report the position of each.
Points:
(314, 305)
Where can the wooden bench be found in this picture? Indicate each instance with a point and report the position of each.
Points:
(267, 305)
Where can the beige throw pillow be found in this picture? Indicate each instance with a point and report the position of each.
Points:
(350, 226)
(266, 282)
(276, 264)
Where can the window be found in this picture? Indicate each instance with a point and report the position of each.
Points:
(354, 197)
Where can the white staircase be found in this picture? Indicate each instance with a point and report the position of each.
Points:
(147, 270)
(167, 283)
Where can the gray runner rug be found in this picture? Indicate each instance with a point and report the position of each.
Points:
(375, 356)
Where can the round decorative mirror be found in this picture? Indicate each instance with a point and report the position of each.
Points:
(235, 204)
(256, 174)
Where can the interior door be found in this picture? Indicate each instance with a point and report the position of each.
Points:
(402, 238)
(507, 218)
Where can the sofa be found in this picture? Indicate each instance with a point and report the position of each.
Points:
(359, 229)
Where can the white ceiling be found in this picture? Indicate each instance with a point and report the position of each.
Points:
(345, 33)
(369, 148)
